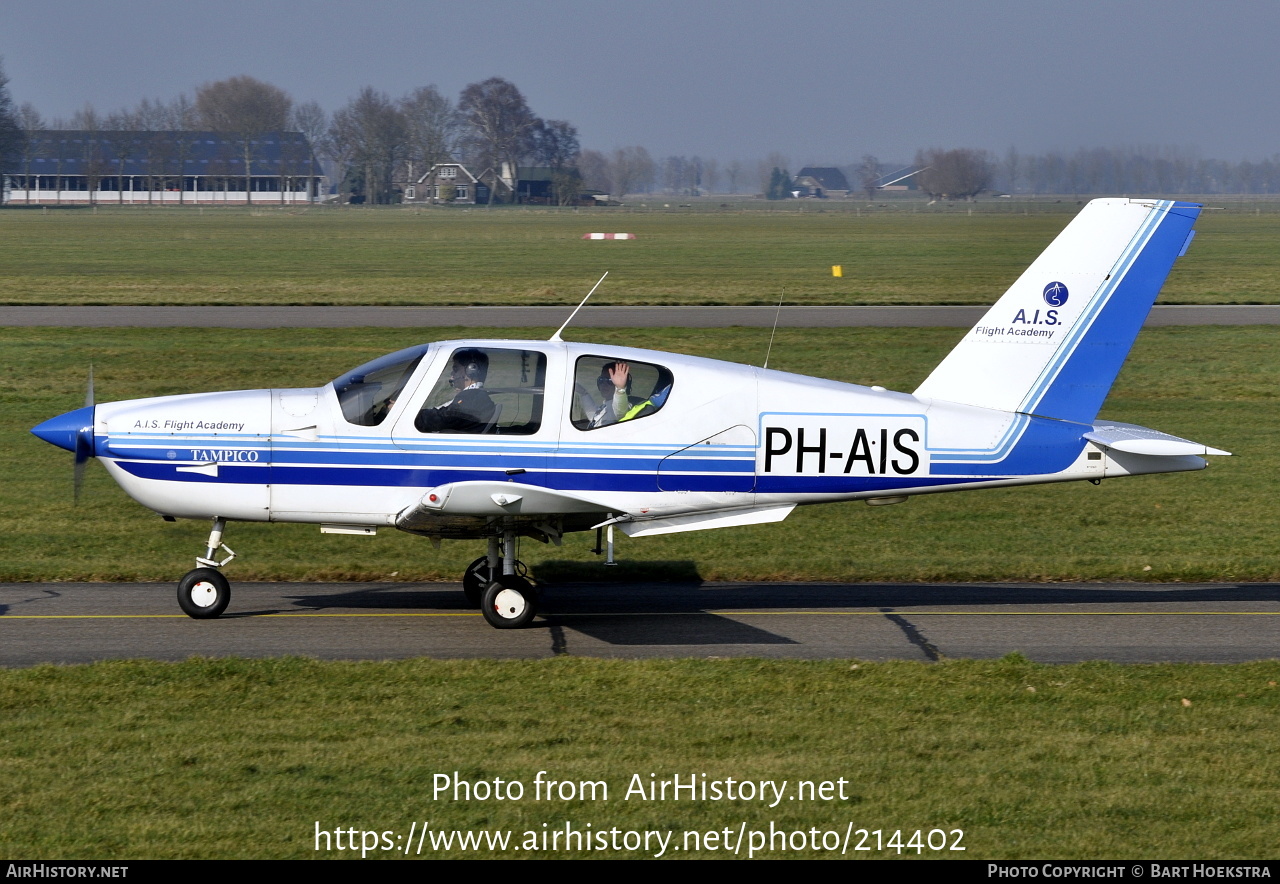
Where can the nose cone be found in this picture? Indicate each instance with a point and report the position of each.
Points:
(72, 431)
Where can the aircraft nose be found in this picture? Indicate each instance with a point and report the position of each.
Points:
(72, 431)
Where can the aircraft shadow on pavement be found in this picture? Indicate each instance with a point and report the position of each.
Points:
(695, 628)
(683, 598)
(641, 613)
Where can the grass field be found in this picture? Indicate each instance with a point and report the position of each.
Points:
(900, 254)
(1214, 385)
(235, 758)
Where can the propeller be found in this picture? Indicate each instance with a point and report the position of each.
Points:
(84, 442)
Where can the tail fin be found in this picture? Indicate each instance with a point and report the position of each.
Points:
(1054, 343)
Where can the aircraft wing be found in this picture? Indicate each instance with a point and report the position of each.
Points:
(1133, 439)
(483, 500)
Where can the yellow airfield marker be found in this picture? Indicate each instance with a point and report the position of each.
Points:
(837, 270)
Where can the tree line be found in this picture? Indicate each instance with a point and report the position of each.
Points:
(372, 144)
(375, 144)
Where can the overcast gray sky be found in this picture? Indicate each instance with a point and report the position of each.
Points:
(821, 81)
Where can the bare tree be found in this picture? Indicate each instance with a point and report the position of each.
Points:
(372, 133)
(774, 162)
(33, 146)
(500, 123)
(151, 115)
(710, 175)
(955, 174)
(594, 167)
(118, 145)
(312, 123)
(86, 118)
(1012, 168)
(180, 118)
(181, 115)
(242, 105)
(869, 175)
(554, 144)
(632, 171)
(93, 161)
(433, 125)
(29, 118)
(246, 109)
(310, 119)
(733, 172)
(142, 136)
(675, 174)
(11, 133)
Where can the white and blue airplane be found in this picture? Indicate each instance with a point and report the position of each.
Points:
(502, 439)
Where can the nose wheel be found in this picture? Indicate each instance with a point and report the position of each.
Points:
(203, 593)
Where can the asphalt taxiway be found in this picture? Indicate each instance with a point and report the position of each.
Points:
(1052, 623)
(82, 622)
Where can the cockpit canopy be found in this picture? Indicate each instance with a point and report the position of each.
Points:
(499, 390)
(367, 393)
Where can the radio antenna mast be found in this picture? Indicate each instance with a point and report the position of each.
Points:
(556, 336)
(775, 328)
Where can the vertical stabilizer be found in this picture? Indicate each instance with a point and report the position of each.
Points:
(1054, 343)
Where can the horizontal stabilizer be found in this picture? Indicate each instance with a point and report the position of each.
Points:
(1133, 439)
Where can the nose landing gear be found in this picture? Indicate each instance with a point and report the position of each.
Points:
(204, 593)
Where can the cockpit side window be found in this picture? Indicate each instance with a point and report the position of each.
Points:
(610, 391)
(487, 390)
(368, 392)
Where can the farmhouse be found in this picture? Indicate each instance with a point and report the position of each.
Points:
(67, 166)
(821, 182)
(455, 183)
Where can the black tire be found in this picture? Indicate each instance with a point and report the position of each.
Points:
(203, 593)
(510, 602)
(475, 580)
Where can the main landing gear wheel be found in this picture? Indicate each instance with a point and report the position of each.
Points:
(510, 602)
(203, 593)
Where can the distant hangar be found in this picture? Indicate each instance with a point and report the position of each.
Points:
(69, 166)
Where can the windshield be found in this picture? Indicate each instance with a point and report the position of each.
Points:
(368, 392)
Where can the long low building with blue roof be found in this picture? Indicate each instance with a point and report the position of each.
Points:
(68, 166)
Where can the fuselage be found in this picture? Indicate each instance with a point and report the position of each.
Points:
(716, 437)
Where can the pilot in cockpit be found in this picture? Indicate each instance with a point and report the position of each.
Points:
(470, 409)
(614, 385)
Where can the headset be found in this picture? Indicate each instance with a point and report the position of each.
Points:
(475, 363)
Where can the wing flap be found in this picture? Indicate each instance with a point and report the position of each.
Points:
(706, 521)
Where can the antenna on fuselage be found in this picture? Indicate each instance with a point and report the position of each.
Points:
(556, 336)
(775, 328)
